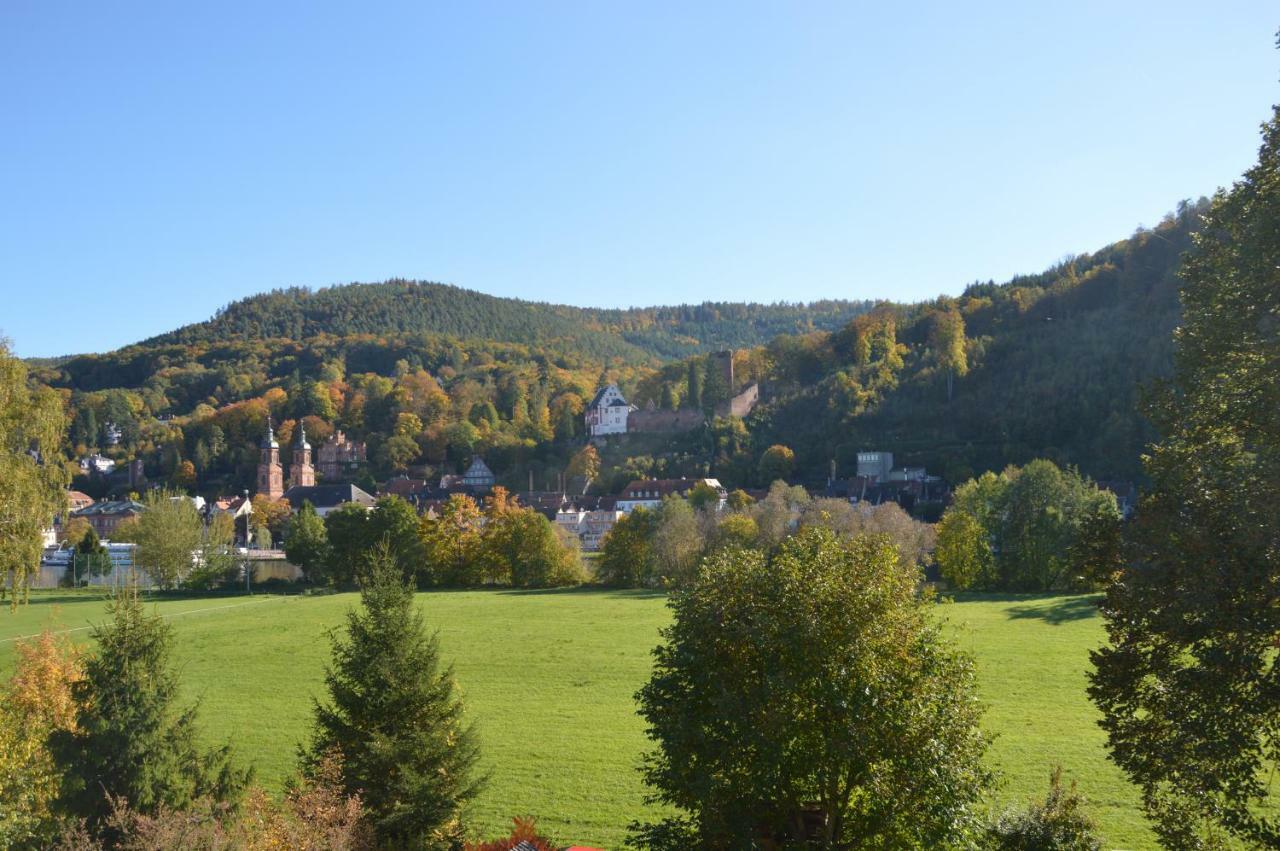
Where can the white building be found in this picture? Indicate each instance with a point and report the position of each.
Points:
(97, 464)
(608, 412)
(875, 465)
(589, 527)
(649, 493)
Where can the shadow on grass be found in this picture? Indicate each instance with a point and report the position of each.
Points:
(585, 590)
(1061, 610)
(1053, 608)
(46, 598)
(56, 598)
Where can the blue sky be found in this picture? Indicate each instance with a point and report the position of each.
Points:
(160, 160)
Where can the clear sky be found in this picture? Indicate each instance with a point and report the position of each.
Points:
(160, 160)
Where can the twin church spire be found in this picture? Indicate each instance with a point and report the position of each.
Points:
(270, 470)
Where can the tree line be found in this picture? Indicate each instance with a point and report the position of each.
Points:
(464, 544)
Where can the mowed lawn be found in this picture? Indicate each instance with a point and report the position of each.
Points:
(549, 678)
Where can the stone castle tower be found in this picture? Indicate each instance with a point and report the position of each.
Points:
(270, 473)
(301, 473)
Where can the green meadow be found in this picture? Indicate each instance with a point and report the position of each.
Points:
(549, 679)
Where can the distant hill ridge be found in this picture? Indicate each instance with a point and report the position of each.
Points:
(413, 307)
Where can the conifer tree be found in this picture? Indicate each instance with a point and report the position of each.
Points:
(395, 718)
(131, 742)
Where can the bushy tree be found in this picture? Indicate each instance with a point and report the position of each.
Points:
(306, 544)
(1187, 681)
(811, 695)
(1059, 823)
(626, 554)
(777, 462)
(315, 815)
(130, 740)
(32, 424)
(703, 497)
(585, 463)
(1020, 529)
(451, 542)
(273, 515)
(37, 701)
(675, 544)
(347, 530)
(534, 555)
(395, 719)
(393, 523)
(914, 540)
(777, 514)
(168, 533)
(735, 529)
(963, 553)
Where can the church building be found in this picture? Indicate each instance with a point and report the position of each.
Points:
(301, 473)
(270, 473)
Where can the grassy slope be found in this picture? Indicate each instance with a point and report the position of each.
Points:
(550, 678)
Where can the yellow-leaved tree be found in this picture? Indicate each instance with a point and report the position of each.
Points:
(37, 700)
(33, 478)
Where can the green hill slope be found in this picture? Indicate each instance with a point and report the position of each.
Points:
(1056, 365)
(410, 307)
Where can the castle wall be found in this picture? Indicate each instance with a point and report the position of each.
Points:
(668, 421)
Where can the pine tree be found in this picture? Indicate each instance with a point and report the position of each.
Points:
(131, 741)
(396, 720)
(694, 397)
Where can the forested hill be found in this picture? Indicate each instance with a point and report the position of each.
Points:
(1050, 365)
(401, 307)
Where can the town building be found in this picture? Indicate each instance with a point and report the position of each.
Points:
(340, 457)
(77, 500)
(875, 465)
(97, 465)
(270, 473)
(239, 509)
(105, 516)
(478, 476)
(649, 493)
(404, 487)
(589, 527)
(326, 498)
(608, 412)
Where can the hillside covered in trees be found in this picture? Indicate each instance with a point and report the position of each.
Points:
(398, 307)
(1048, 365)
(1051, 365)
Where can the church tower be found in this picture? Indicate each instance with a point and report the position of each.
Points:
(301, 473)
(270, 473)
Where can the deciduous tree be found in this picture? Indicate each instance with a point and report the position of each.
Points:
(32, 425)
(811, 696)
(777, 463)
(1187, 681)
(307, 544)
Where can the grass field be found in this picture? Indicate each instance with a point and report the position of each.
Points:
(549, 678)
